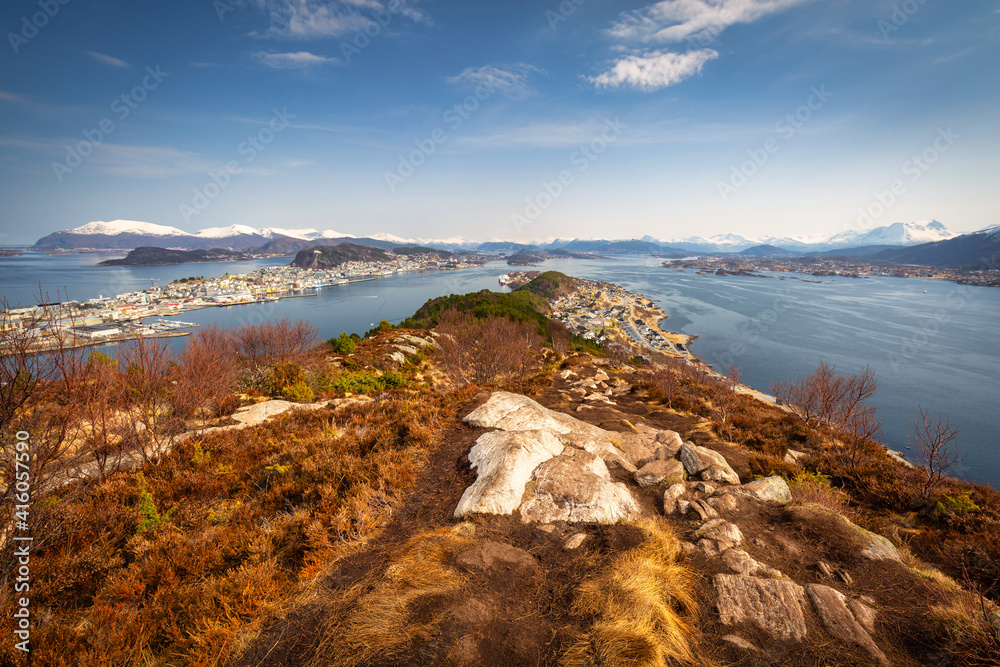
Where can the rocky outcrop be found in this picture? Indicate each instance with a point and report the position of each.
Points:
(577, 486)
(831, 607)
(504, 464)
(658, 472)
(772, 605)
(769, 489)
(261, 412)
(496, 556)
(709, 464)
(512, 412)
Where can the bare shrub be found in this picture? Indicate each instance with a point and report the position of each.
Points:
(144, 382)
(271, 343)
(206, 374)
(936, 448)
(488, 350)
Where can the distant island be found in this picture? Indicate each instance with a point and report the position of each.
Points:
(534, 256)
(147, 256)
(9, 253)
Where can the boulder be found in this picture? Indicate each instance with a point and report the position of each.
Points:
(407, 349)
(706, 512)
(261, 412)
(839, 527)
(512, 412)
(504, 463)
(671, 496)
(396, 357)
(832, 609)
(711, 465)
(792, 456)
(743, 563)
(575, 542)
(772, 605)
(864, 614)
(655, 473)
(601, 376)
(576, 487)
(415, 340)
(723, 503)
(721, 531)
(769, 489)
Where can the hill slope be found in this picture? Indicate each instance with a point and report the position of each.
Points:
(328, 257)
(977, 250)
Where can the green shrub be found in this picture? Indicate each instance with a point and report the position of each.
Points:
(149, 516)
(962, 505)
(365, 382)
(300, 392)
(343, 344)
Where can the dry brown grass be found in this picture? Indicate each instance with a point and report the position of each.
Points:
(642, 605)
(383, 623)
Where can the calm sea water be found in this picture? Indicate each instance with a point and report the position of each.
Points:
(931, 343)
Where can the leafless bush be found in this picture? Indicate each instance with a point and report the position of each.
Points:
(144, 383)
(937, 450)
(488, 350)
(280, 342)
(206, 374)
(826, 397)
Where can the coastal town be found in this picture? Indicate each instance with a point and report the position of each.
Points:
(141, 313)
(985, 276)
(609, 314)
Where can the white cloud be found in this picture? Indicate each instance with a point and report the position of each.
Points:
(655, 70)
(310, 19)
(10, 97)
(508, 80)
(108, 60)
(676, 20)
(299, 60)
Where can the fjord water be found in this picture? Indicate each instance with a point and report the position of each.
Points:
(936, 349)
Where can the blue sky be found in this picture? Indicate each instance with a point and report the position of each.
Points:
(514, 119)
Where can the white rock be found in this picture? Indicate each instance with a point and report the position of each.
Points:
(576, 486)
(770, 489)
(261, 412)
(504, 463)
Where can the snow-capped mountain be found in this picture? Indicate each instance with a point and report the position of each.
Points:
(116, 227)
(129, 234)
(898, 234)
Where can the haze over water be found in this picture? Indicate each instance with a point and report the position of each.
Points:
(936, 349)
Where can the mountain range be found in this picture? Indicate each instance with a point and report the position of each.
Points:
(879, 243)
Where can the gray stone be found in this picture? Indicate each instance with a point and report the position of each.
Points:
(711, 548)
(706, 512)
(770, 489)
(671, 496)
(722, 531)
(740, 562)
(831, 607)
(707, 489)
(575, 542)
(720, 474)
(683, 506)
(879, 548)
(407, 349)
(396, 357)
(711, 465)
(864, 614)
(772, 605)
(660, 472)
(723, 503)
(504, 463)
